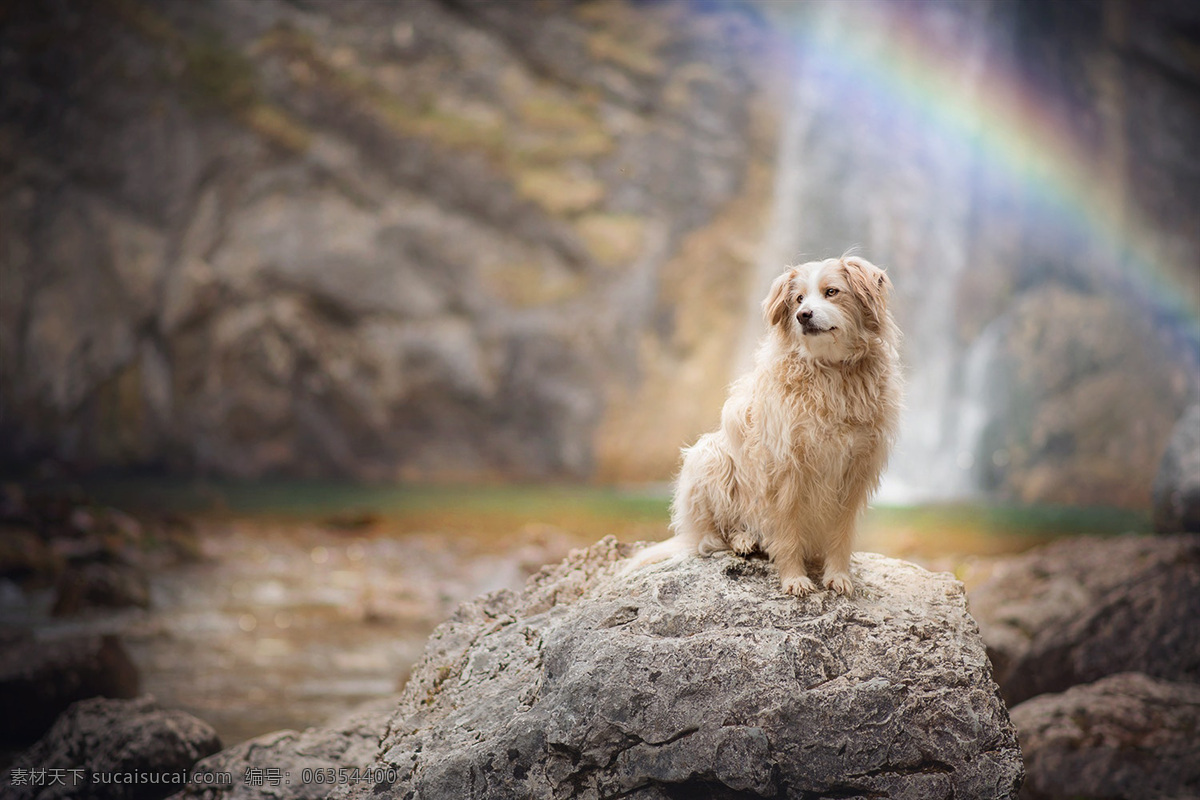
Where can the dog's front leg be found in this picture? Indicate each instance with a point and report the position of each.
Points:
(836, 576)
(793, 572)
(795, 579)
(859, 481)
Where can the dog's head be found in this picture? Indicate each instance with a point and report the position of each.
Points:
(831, 310)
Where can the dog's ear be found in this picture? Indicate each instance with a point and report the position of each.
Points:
(775, 307)
(870, 285)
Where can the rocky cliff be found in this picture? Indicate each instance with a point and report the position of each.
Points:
(454, 238)
(360, 238)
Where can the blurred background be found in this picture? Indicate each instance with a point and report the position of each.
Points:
(357, 308)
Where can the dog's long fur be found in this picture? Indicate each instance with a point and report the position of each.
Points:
(804, 436)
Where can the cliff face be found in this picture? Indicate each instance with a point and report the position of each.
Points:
(456, 238)
(354, 237)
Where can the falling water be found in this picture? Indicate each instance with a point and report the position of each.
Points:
(978, 405)
(938, 456)
(780, 242)
(840, 185)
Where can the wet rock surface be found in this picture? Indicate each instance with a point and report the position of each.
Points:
(700, 678)
(96, 557)
(1077, 610)
(98, 741)
(1127, 735)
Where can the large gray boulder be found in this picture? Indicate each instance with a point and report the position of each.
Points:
(1177, 485)
(1126, 735)
(1077, 610)
(700, 678)
(111, 749)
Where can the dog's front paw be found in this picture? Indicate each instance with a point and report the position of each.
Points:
(743, 542)
(839, 582)
(799, 585)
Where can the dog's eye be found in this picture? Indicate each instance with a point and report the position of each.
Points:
(831, 291)
(800, 298)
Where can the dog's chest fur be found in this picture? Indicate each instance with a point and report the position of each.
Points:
(817, 419)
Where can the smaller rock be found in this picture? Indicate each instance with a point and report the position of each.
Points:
(40, 679)
(82, 520)
(25, 558)
(100, 585)
(125, 526)
(1177, 485)
(1079, 609)
(12, 502)
(98, 744)
(310, 759)
(1127, 735)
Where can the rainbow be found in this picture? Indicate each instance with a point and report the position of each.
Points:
(879, 50)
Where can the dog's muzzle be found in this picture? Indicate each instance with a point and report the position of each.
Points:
(805, 318)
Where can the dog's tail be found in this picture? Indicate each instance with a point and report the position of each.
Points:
(675, 546)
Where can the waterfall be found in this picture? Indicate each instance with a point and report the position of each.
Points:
(779, 245)
(905, 200)
(950, 405)
(978, 404)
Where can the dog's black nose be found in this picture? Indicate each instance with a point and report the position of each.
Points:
(805, 315)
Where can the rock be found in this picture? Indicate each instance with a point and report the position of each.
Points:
(101, 585)
(349, 744)
(1177, 485)
(1127, 735)
(1075, 379)
(98, 740)
(700, 678)
(40, 679)
(1080, 609)
(24, 556)
(12, 502)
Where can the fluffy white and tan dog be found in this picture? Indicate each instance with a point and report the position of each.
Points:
(804, 436)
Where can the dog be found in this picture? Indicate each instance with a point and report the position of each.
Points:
(804, 436)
